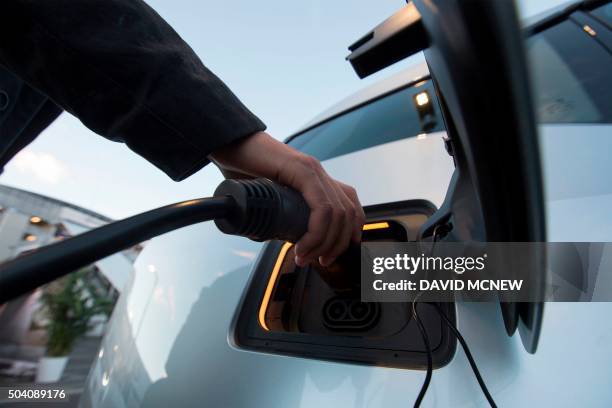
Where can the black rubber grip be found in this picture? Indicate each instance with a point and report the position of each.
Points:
(264, 210)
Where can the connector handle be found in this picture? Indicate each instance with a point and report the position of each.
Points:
(264, 210)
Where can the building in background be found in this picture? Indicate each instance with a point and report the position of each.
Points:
(29, 221)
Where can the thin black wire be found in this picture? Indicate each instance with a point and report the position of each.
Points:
(457, 334)
(468, 354)
(415, 314)
(425, 385)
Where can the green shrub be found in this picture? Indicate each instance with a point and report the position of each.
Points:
(68, 304)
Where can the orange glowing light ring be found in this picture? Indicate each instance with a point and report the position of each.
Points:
(268, 293)
(375, 226)
(276, 270)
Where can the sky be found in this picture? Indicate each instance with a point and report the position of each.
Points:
(284, 60)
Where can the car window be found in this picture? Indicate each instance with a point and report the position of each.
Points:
(572, 76)
(604, 13)
(402, 114)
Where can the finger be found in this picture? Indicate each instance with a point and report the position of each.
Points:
(359, 217)
(342, 241)
(335, 225)
(325, 251)
(305, 179)
(320, 218)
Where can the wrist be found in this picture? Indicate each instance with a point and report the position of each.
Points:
(257, 155)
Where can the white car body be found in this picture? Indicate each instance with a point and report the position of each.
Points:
(167, 343)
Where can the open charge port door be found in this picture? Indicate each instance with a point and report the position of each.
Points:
(316, 312)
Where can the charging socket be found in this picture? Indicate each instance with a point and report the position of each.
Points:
(316, 312)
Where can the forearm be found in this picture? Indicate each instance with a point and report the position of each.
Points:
(127, 75)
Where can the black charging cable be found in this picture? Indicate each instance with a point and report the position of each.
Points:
(258, 209)
(468, 354)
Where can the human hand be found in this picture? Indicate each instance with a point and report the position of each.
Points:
(336, 215)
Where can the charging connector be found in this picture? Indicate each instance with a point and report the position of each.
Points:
(258, 209)
(263, 210)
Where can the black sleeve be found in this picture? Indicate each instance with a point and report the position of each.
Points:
(127, 75)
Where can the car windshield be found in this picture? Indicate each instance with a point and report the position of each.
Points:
(405, 113)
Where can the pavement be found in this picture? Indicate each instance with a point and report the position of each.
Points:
(73, 379)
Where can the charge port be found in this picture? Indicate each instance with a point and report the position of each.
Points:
(326, 300)
(317, 312)
(350, 314)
